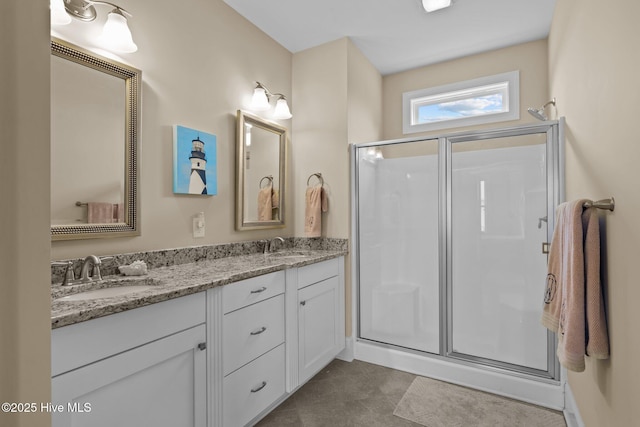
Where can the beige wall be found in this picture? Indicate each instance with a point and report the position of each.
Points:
(197, 69)
(24, 218)
(530, 58)
(338, 101)
(593, 67)
(320, 132)
(338, 97)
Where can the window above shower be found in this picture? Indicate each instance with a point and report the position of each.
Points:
(487, 99)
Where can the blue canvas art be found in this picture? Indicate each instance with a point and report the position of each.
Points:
(194, 162)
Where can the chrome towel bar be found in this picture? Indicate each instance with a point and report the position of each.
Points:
(608, 204)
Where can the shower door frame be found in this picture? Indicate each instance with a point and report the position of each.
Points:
(554, 130)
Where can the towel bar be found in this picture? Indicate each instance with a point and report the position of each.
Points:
(608, 204)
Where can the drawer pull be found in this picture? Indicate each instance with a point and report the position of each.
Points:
(257, 291)
(259, 331)
(260, 387)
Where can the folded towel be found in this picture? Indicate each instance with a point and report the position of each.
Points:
(573, 307)
(315, 203)
(596, 334)
(265, 203)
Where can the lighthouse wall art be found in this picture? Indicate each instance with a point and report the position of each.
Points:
(194, 162)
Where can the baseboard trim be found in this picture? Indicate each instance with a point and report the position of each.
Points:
(571, 412)
(348, 354)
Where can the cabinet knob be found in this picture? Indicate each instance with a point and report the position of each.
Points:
(202, 346)
(303, 302)
(257, 291)
(258, 388)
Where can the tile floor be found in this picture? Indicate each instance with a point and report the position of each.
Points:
(345, 394)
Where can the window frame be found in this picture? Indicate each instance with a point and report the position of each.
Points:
(457, 91)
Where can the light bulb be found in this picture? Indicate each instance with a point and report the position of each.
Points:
(116, 35)
(282, 111)
(260, 102)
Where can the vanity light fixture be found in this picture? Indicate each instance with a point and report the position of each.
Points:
(116, 35)
(59, 15)
(261, 98)
(433, 5)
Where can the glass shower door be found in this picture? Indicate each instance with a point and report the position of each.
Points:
(397, 205)
(497, 224)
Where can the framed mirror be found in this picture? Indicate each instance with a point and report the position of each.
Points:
(261, 173)
(94, 145)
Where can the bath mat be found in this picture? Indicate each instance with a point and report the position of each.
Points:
(434, 403)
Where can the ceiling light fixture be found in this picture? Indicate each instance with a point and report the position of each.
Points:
(261, 98)
(116, 35)
(433, 5)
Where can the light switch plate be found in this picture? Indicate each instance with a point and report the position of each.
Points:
(198, 225)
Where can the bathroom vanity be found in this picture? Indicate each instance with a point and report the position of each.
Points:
(212, 343)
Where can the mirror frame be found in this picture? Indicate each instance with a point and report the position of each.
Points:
(243, 118)
(133, 83)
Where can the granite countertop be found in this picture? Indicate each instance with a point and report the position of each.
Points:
(175, 281)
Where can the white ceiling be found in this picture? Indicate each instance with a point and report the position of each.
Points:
(396, 35)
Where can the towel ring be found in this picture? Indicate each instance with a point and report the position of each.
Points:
(318, 175)
(268, 177)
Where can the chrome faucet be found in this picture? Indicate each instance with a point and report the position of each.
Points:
(84, 272)
(268, 247)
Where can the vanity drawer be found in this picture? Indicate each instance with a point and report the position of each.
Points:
(251, 390)
(314, 273)
(251, 332)
(251, 291)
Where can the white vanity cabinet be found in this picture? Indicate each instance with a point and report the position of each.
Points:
(145, 366)
(250, 328)
(220, 358)
(321, 314)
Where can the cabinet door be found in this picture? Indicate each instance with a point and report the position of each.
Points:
(162, 383)
(320, 328)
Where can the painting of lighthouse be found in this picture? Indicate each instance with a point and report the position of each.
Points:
(194, 162)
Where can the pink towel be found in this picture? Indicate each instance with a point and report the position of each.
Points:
(265, 203)
(574, 307)
(315, 203)
(105, 213)
(119, 213)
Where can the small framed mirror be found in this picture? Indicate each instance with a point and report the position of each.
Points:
(261, 173)
(94, 145)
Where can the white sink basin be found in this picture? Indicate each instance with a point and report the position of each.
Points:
(105, 293)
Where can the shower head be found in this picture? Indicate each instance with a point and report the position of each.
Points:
(538, 113)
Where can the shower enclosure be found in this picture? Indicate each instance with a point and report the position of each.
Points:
(450, 256)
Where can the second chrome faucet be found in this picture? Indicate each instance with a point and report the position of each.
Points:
(269, 244)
